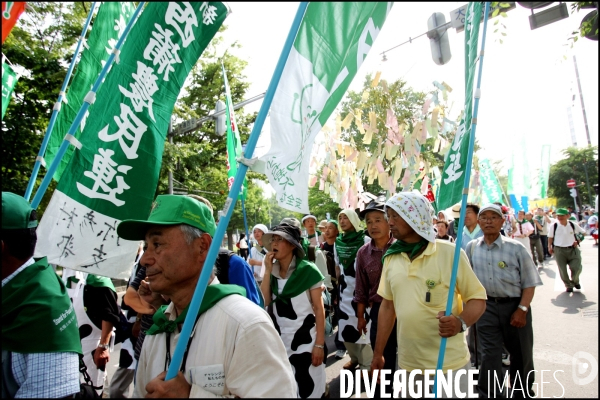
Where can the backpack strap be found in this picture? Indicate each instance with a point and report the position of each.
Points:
(222, 264)
(572, 226)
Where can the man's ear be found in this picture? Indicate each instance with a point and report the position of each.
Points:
(203, 244)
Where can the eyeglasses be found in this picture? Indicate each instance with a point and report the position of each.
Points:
(275, 239)
(492, 219)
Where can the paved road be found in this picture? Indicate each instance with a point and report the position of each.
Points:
(564, 324)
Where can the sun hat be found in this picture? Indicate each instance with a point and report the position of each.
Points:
(293, 222)
(562, 211)
(491, 207)
(289, 233)
(170, 209)
(374, 205)
(457, 206)
(261, 227)
(322, 224)
(308, 216)
(416, 211)
(16, 212)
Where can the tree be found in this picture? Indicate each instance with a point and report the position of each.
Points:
(44, 50)
(573, 167)
(320, 204)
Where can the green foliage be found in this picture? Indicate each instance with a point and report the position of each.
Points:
(572, 167)
(320, 204)
(586, 26)
(43, 43)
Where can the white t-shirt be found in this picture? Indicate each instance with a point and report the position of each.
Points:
(259, 270)
(564, 234)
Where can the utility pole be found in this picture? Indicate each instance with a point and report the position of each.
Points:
(587, 130)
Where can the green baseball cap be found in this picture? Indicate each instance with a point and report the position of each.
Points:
(170, 209)
(16, 212)
(562, 211)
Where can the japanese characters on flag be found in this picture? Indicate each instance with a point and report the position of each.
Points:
(109, 24)
(234, 143)
(322, 63)
(11, 11)
(492, 192)
(9, 80)
(114, 175)
(451, 187)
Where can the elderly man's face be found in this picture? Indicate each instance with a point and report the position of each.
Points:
(398, 226)
(490, 222)
(377, 225)
(172, 264)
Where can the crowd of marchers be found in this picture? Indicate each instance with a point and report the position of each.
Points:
(378, 279)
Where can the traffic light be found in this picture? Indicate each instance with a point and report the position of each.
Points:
(573, 192)
(221, 120)
(438, 38)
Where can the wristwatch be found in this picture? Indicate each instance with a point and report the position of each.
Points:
(463, 324)
(103, 346)
(522, 307)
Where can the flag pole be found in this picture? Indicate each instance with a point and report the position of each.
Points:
(463, 207)
(89, 99)
(56, 109)
(194, 306)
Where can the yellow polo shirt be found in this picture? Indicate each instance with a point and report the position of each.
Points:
(404, 283)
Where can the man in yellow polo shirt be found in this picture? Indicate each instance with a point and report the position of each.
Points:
(414, 286)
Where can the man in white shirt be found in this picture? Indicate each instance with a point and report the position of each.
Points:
(563, 243)
(234, 348)
(524, 229)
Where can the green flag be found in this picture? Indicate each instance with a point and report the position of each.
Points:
(111, 20)
(9, 80)
(544, 171)
(113, 176)
(450, 191)
(234, 143)
(492, 192)
(332, 42)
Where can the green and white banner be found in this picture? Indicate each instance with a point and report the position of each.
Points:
(114, 175)
(109, 24)
(544, 171)
(9, 80)
(492, 192)
(234, 143)
(450, 191)
(322, 63)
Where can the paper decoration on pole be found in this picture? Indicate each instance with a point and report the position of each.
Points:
(114, 175)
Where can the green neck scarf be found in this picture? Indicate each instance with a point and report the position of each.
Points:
(411, 249)
(347, 246)
(317, 233)
(93, 280)
(304, 276)
(213, 294)
(35, 301)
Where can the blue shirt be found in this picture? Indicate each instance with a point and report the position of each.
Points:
(240, 273)
(467, 237)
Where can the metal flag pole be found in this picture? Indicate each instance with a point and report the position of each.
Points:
(463, 207)
(194, 306)
(40, 157)
(89, 99)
